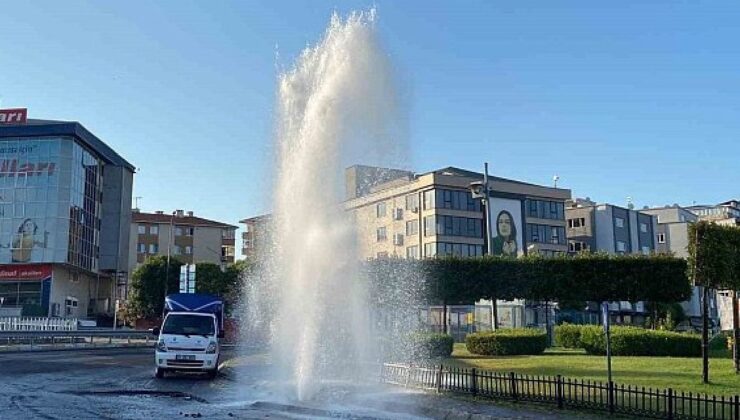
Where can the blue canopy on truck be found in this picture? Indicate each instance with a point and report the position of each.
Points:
(195, 302)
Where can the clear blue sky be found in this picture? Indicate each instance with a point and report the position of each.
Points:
(633, 98)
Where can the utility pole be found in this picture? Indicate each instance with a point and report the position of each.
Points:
(735, 332)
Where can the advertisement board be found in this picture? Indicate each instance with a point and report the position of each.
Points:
(507, 232)
(34, 215)
(13, 116)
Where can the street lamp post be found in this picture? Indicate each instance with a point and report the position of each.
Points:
(483, 192)
(169, 252)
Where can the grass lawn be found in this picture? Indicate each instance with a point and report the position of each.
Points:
(682, 374)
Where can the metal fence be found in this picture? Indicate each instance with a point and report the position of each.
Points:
(29, 340)
(565, 392)
(37, 324)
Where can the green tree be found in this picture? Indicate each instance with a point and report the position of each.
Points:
(150, 283)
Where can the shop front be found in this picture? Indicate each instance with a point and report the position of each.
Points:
(25, 289)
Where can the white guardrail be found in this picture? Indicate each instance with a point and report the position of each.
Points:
(37, 324)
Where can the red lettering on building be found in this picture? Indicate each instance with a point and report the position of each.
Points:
(11, 168)
(13, 116)
(25, 271)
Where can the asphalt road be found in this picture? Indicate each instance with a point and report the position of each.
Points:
(119, 384)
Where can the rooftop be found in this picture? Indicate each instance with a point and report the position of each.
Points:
(46, 128)
(184, 219)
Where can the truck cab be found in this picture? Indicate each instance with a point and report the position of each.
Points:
(188, 339)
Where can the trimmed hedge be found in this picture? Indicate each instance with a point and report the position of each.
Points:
(568, 336)
(633, 341)
(507, 342)
(432, 345)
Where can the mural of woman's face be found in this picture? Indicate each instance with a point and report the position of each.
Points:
(504, 225)
(28, 227)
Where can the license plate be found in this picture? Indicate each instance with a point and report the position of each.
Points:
(185, 357)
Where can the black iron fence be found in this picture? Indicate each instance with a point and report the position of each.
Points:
(565, 392)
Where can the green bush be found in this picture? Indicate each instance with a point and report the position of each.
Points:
(568, 336)
(507, 342)
(632, 341)
(432, 345)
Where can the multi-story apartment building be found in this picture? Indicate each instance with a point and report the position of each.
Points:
(609, 228)
(64, 220)
(423, 215)
(255, 234)
(723, 213)
(593, 227)
(673, 237)
(189, 238)
(407, 215)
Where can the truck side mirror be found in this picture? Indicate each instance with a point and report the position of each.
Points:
(155, 331)
(221, 334)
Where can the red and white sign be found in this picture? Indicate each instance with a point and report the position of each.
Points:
(13, 116)
(10, 167)
(25, 272)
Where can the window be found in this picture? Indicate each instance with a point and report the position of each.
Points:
(543, 209)
(682, 218)
(453, 226)
(555, 235)
(643, 227)
(430, 250)
(178, 231)
(412, 252)
(451, 199)
(577, 246)
(380, 234)
(412, 227)
(661, 238)
(412, 202)
(429, 226)
(380, 210)
(619, 222)
(177, 250)
(188, 250)
(646, 250)
(621, 246)
(460, 250)
(577, 222)
(154, 229)
(141, 248)
(382, 255)
(142, 229)
(153, 248)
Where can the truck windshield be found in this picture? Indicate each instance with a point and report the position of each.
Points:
(188, 324)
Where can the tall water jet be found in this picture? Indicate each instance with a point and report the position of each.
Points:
(337, 106)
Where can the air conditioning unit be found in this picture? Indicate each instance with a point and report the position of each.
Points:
(398, 214)
(398, 239)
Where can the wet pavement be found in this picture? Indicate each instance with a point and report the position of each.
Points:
(119, 384)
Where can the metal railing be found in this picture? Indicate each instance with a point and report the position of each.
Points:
(565, 392)
(37, 324)
(11, 340)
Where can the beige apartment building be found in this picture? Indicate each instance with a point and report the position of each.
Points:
(255, 234)
(191, 239)
(402, 214)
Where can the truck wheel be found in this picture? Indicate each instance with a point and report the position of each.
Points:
(212, 373)
(159, 373)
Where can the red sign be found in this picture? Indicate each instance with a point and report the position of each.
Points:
(25, 272)
(13, 116)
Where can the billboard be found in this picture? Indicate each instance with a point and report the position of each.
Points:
(507, 232)
(34, 214)
(13, 116)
